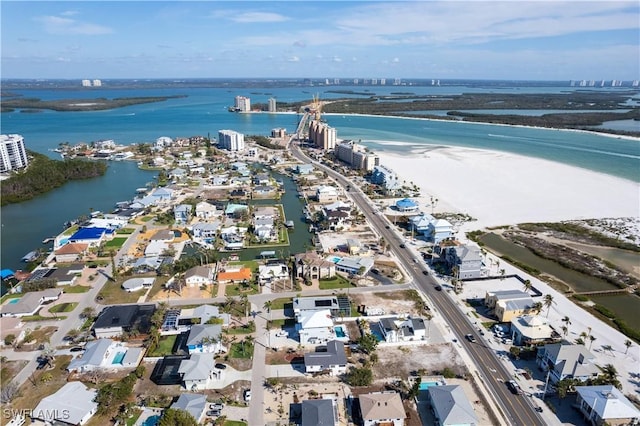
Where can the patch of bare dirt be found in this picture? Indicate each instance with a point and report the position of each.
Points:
(400, 362)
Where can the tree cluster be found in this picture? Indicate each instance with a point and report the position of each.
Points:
(112, 396)
(37, 285)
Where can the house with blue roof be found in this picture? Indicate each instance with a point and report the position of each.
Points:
(233, 208)
(93, 237)
(407, 205)
(182, 213)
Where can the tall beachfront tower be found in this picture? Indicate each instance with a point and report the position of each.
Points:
(13, 154)
(243, 104)
(272, 104)
(322, 135)
(230, 140)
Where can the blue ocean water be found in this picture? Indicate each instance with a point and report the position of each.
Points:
(204, 111)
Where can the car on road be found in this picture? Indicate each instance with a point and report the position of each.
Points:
(247, 395)
(470, 338)
(425, 272)
(402, 245)
(282, 333)
(439, 288)
(76, 349)
(514, 387)
(220, 366)
(386, 227)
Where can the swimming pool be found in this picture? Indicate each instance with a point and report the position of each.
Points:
(375, 330)
(334, 259)
(339, 331)
(118, 358)
(151, 420)
(13, 301)
(427, 385)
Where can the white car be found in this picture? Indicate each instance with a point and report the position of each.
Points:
(247, 395)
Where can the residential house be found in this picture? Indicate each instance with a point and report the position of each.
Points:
(451, 407)
(177, 173)
(319, 412)
(396, 329)
(336, 219)
(136, 284)
(117, 319)
(198, 372)
(205, 231)
(314, 327)
(304, 169)
(232, 237)
(198, 276)
(264, 190)
(106, 354)
(272, 272)
(264, 229)
(205, 210)
(232, 274)
(72, 404)
(565, 360)
(182, 213)
(205, 338)
(439, 230)
(312, 267)
(386, 178)
(382, 408)
(30, 303)
(332, 358)
(606, 405)
(70, 252)
(527, 330)
(156, 248)
(193, 403)
(234, 209)
(353, 265)
(466, 259)
(261, 179)
(316, 303)
(92, 237)
(508, 304)
(326, 194)
(354, 246)
(407, 205)
(66, 275)
(181, 320)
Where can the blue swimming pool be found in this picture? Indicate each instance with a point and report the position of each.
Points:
(118, 358)
(339, 331)
(334, 259)
(427, 385)
(375, 330)
(12, 301)
(151, 420)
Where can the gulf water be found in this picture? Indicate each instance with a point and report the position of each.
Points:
(204, 111)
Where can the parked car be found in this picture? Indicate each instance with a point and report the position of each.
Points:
(213, 413)
(438, 288)
(216, 406)
(402, 245)
(220, 366)
(282, 333)
(514, 387)
(247, 395)
(76, 349)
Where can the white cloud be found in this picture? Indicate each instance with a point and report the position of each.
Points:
(395, 60)
(293, 59)
(69, 13)
(336, 59)
(252, 17)
(66, 26)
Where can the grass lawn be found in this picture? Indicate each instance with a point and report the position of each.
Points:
(158, 285)
(237, 351)
(280, 303)
(336, 282)
(282, 322)
(239, 289)
(245, 329)
(10, 296)
(76, 289)
(136, 415)
(113, 294)
(146, 218)
(42, 383)
(63, 307)
(71, 230)
(165, 346)
(116, 243)
(126, 231)
(41, 318)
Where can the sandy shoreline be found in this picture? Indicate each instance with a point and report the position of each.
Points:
(499, 188)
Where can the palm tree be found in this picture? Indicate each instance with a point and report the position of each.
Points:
(548, 301)
(537, 307)
(609, 373)
(566, 320)
(245, 302)
(591, 339)
(565, 330)
(267, 306)
(628, 344)
(527, 285)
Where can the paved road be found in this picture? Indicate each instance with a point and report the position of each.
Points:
(518, 410)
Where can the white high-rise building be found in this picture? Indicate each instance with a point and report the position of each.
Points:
(86, 83)
(243, 104)
(272, 104)
(13, 154)
(97, 83)
(383, 81)
(230, 140)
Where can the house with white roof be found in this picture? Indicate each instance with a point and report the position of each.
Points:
(606, 405)
(382, 408)
(353, 265)
(161, 143)
(155, 248)
(565, 360)
(396, 329)
(332, 358)
(198, 372)
(326, 194)
(315, 327)
(182, 213)
(106, 354)
(529, 330)
(30, 302)
(72, 404)
(193, 403)
(272, 272)
(451, 406)
(205, 210)
(198, 276)
(205, 338)
(136, 284)
(205, 230)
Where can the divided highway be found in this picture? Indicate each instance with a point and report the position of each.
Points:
(517, 409)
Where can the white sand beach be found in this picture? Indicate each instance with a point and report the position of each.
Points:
(499, 188)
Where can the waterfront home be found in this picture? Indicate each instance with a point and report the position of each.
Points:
(382, 408)
(30, 303)
(396, 329)
(565, 360)
(161, 143)
(234, 209)
(136, 284)
(336, 219)
(177, 173)
(386, 178)
(263, 228)
(233, 237)
(527, 330)
(193, 403)
(315, 327)
(304, 169)
(272, 272)
(231, 274)
(407, 205)
(205, 210)
(326, 194)
(264, 190)
(606, 405)
(181, 320)
(451, 406)
(72, 404)
(261, 179)
(198, 276)
(182, 213)
(467, 259)
(92, 237)
(508, 304)
(115, 320)
(311, 266)
(66, 275)
(106, 354)
(317, 412)
(205, 231)
(198, 372)
(262, 212)
(205, 338)
(316, 303)
(331, 358)
(353, 265)
(162, 195)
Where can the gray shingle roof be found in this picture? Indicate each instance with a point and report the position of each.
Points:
(318, 412)
(451, 405)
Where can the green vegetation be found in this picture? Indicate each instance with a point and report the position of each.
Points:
(332, 283)
(112, 396)
(38, 317)
(281, 303)
(116, 243)
(45, 174)
(250, 327)
(264, 142)
(359, 376)
(63, 307)
(126, 231)
(241, 350)
(73, 289)
(173, 417)
(368, 343)
(527, 268)
(234, 423)
(96, 104)
(164, 346)
(573, 229)
(241, 288)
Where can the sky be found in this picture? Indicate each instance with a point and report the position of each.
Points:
(513, 40)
